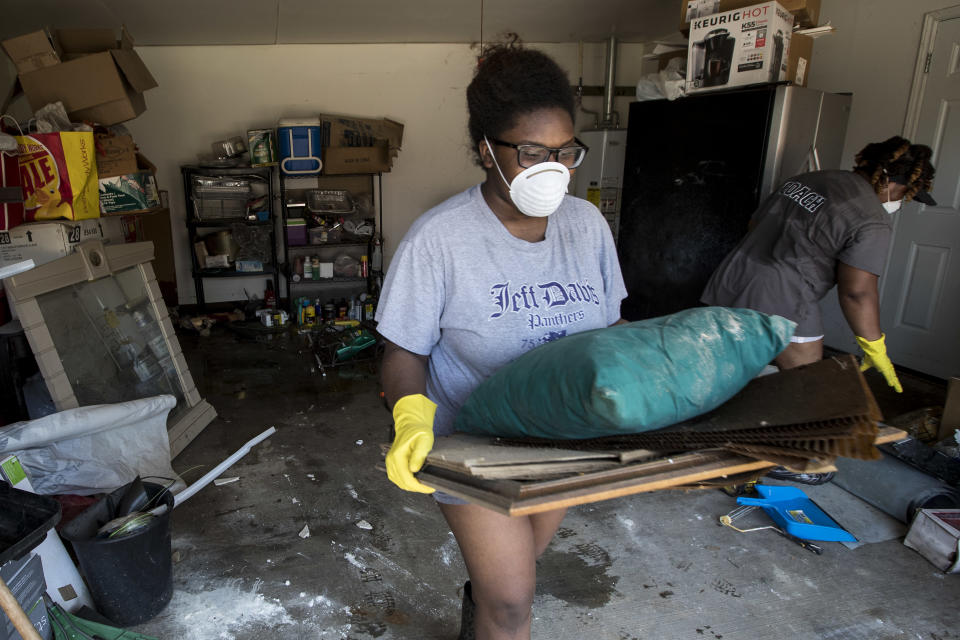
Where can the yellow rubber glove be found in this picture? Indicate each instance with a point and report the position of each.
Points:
(875, 355)
(413, 424)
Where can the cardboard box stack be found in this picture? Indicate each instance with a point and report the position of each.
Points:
(96, 77)
(740, 42)
(99, 80)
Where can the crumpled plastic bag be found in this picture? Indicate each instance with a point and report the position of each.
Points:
(53, 117)
(669, 82)
(95, 449)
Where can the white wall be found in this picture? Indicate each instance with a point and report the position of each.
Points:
(873, 55)
(209, 93)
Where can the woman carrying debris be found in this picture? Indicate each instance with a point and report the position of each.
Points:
(505, 266)
(823, 229)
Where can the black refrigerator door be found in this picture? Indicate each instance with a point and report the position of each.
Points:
(692, 179)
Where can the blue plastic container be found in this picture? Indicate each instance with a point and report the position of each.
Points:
(299, 141)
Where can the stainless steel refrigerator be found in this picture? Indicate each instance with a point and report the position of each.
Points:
(695, 170)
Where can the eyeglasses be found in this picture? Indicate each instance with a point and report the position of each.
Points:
(532, 154)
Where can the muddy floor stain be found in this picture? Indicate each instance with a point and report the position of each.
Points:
(569, 577)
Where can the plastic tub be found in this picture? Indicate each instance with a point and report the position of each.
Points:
(296, 231)
(25, 519)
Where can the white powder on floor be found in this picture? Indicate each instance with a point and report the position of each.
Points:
(449, 550)
(352, 559)
(223, 611)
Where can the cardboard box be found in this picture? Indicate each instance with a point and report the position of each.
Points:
(116, 155)
(24, 578)
(31, 51)
(798, 59)
(46, 241)
(344, 160)
(806, 13)
(739, 47)
(99, 79)
(359, 145)
(935, 534)
(130, 192)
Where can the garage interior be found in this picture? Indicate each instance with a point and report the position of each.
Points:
(304, 536)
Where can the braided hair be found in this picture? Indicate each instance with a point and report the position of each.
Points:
(896, 159)
(510, 81)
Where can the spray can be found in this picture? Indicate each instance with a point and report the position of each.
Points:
(297, 274)
(376, 262)
(270, 296)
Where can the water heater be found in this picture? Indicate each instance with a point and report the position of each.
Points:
(600, 178)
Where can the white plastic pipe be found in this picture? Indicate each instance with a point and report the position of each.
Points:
(214, 473)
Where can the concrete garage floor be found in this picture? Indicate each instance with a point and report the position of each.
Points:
(381, 563)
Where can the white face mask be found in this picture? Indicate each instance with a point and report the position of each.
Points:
(892, 206)
(537, 191)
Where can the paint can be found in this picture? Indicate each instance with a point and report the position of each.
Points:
(262, 144)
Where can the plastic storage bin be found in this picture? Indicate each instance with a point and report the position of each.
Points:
(25, 519)
(299, 146)
(220, 197)
(296, 231)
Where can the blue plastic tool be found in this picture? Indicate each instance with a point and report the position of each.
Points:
(797, 514)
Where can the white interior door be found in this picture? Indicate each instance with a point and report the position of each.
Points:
(920, 301)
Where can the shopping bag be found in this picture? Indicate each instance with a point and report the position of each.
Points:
(11, 192)
(59, 175)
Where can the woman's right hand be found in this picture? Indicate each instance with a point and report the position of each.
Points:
(413, 424)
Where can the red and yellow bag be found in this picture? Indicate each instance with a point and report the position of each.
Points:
(11, 193)
(59, 175)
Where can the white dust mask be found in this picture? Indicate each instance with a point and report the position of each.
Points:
(537, 191)
(892, 206)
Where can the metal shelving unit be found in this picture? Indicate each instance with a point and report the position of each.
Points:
(219, 198)
(295, 188)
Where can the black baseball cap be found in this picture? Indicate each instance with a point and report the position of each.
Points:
(923, 197)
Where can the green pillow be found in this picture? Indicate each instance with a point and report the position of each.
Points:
(627, 378)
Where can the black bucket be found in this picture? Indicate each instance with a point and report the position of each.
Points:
(130, 576)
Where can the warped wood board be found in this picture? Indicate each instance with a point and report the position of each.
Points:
(511, 497)
(486, 458)
(523, 467)
(461, 451)
(485, 492)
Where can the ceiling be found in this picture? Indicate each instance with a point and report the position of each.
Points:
(225, 22)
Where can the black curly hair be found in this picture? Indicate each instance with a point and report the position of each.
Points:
(511, 80)
(898, 160)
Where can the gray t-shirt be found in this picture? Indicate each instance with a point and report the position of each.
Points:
(473, 297)
(788, 262)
